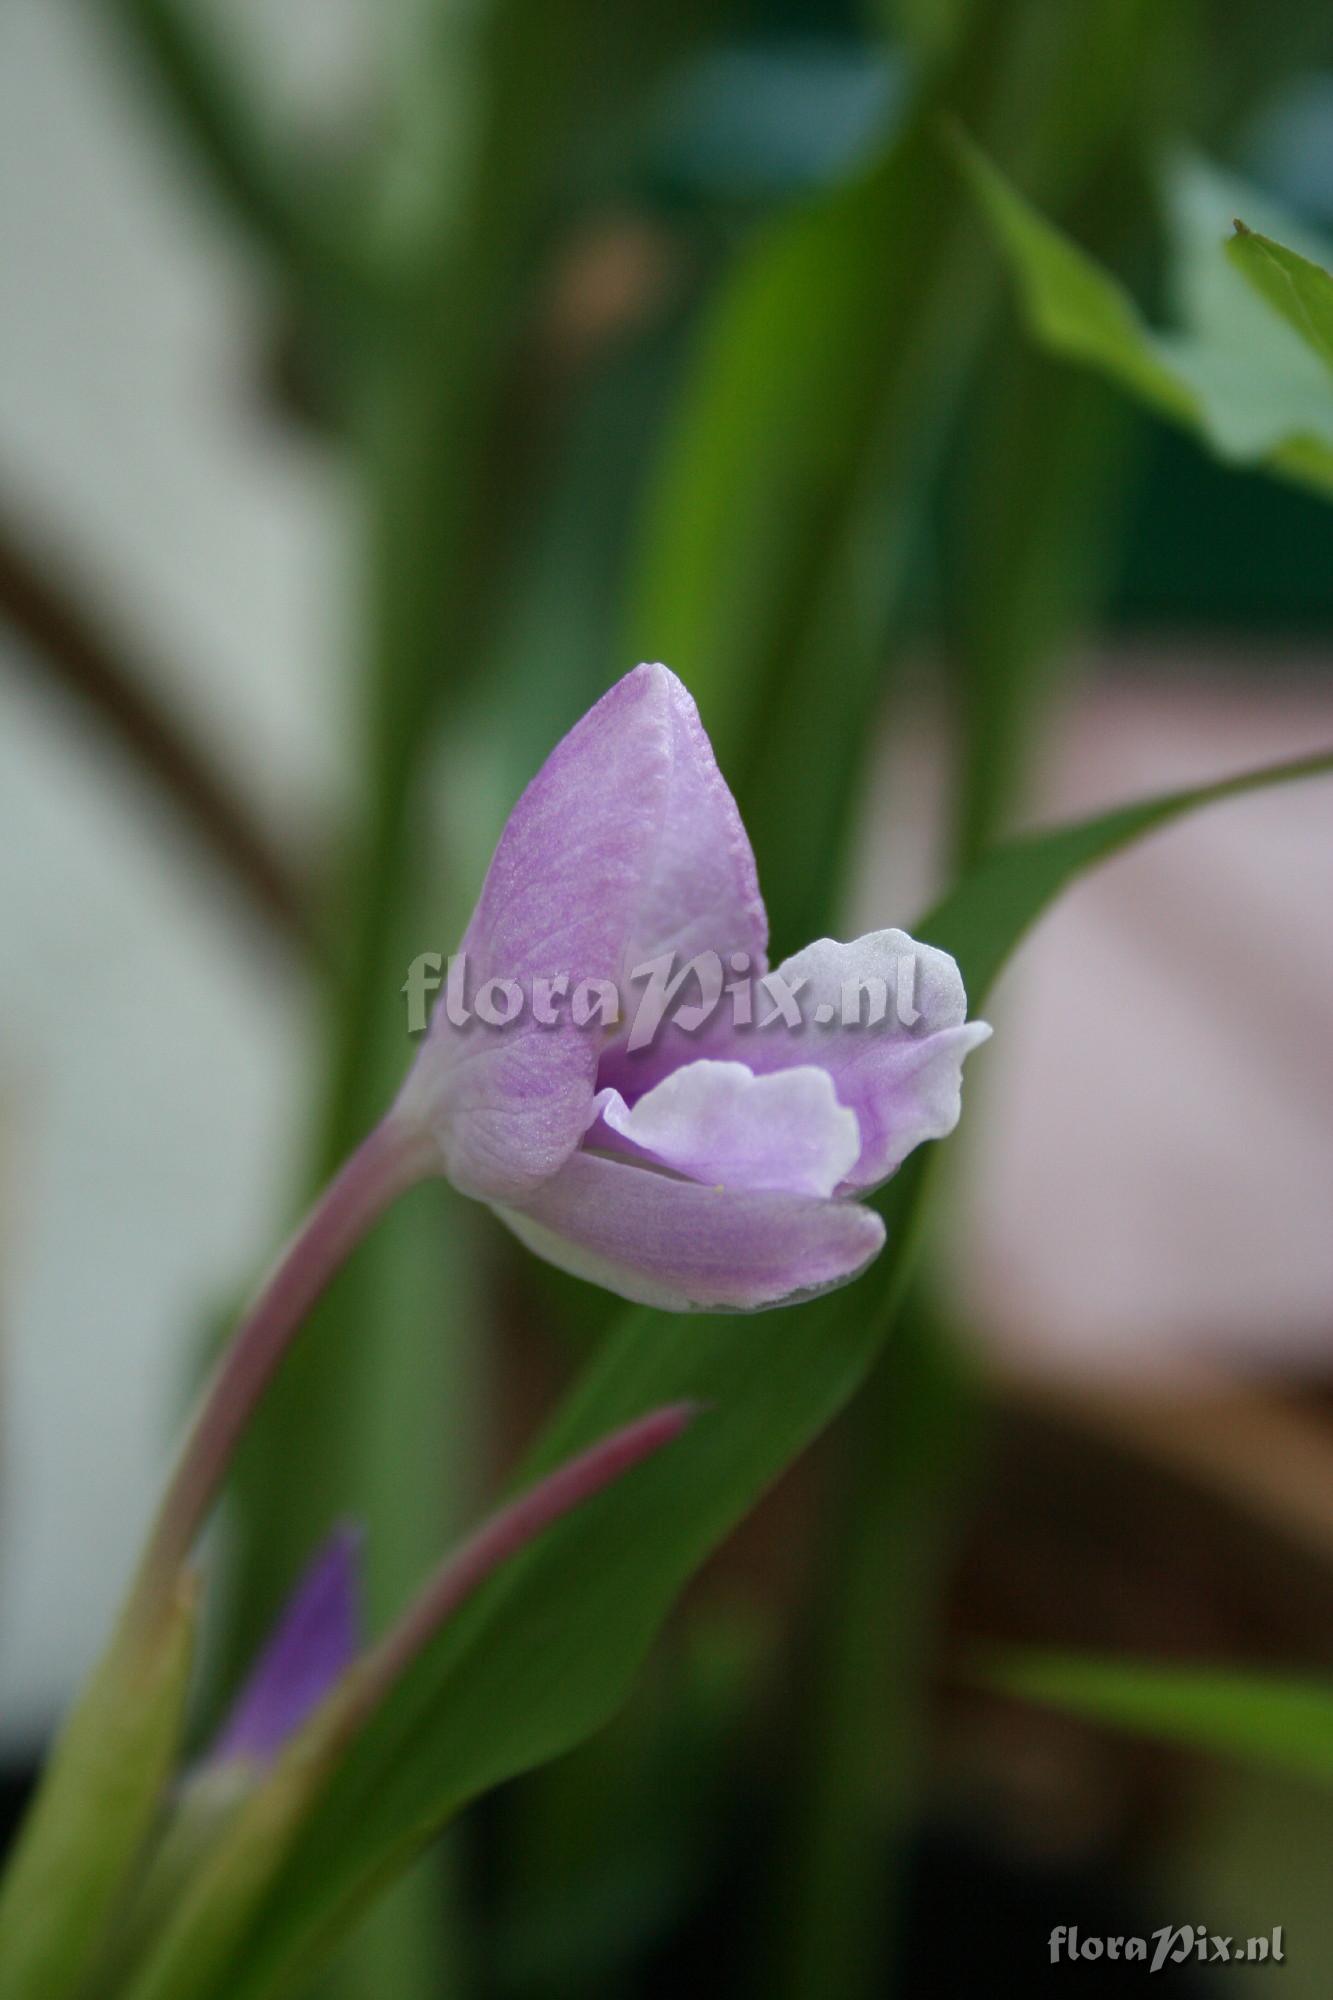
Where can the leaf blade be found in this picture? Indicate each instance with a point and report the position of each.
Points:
(96, 1805)
(1285, 1724)
(1297, 287)
(1073, 306)
(997, 903)
(1235, 375)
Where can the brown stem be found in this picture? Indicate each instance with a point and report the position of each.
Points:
(64, 644)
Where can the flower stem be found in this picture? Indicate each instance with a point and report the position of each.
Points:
(388, 1161)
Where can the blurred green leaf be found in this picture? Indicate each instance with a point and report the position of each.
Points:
(779, 541)
(1235, 373)
(987, 915)
(1042, 466)
(905, 1453)
(610, 1849)
(1287, 1724)
(771, 420)
(547, 1651)
(266, 185)
(929, 27)
(1074, 306)
(1299, 289)
(1262, 390)
(104, 1785)
(213, 1905)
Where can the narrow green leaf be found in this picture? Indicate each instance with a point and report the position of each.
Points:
(1235, 373)
(1263, 1718)
(772, 420)
(780, 540)
(1042, 467)
(1073, 305)
(96, 1806)
(214, 1906)
(266, 187)
(547, 1652)
(928, 27)
(985, 917)
(1298, 288)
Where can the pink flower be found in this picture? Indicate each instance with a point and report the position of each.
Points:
(713, 1169)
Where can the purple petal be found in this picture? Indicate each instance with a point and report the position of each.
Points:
(901, 1076)
(625, 845)
(903, 1092)
(315, 1641)
(702, 890)
(678, 1244)
(719, 1122)
(914, 976)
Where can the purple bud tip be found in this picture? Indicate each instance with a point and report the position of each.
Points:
(314, 1642)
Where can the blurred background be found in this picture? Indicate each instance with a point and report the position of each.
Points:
(377, 384)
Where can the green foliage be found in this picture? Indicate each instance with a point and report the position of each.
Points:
(1300, 290)
(106, 1781)
(1262, 1718)
(194, 1941)
(782, 534)
(1249, 381)
(992, 908)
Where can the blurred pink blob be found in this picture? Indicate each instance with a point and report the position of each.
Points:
(1148, 1189)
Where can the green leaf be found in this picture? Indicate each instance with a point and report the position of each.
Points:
(1295, 286)
(212, 1908)
(548, 1651)
(1042, 466)
(780, 392)
(1287, 1724)
(1073, 305)
(778, 547)
(928, 27)
(986, 916)
(1264, 395)
(1234, 372)
(96, 1806)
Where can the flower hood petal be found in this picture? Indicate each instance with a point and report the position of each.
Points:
(625, 845)
(701, 892)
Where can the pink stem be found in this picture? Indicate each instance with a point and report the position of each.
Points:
(503, 1536)
(387, 1162)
